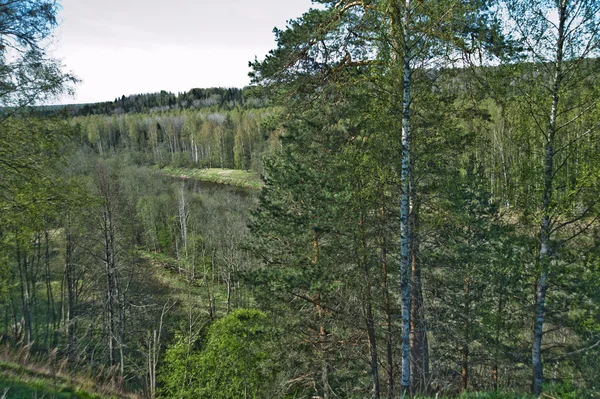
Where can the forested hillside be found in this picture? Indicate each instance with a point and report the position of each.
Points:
(209, 138)
(226, 98)
(425, 222)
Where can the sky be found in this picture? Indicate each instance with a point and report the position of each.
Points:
(122, 47)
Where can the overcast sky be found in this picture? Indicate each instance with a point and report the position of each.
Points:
(121, 47)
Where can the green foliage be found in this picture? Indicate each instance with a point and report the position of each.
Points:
(483, 395)
(17, 382)
(16, 389)
(231, 363)
(208, 138)
(223, 98)
(570, 391)
(231, 177)
(27, 74)
(327, 228)
(19, 389)
(179, 372)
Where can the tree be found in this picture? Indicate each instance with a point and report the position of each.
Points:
(559, 38)
(31, 152)
(27, 74)
(326, 48)
(232, 362)
(31, 191)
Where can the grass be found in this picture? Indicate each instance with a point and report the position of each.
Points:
(551, 391)
(232, 177)
(181, 289)
(484, 395)
(190, 293)
(16, 389)
(17, 382)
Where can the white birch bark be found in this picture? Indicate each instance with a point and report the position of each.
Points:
(545, 230)
(405, 228)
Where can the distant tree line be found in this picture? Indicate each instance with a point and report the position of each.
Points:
(217, 97)
(210, 138)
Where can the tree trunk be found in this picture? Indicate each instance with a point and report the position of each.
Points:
(322, 339)
(71, 294)
(369, 319)
(466, 333)
(51, 308)
(386, 299)
(25, 290)
(111, 325)
(405, 227)
(545, 230)
(183, 221)
(419, 343)
(228, 281)
(499, 327)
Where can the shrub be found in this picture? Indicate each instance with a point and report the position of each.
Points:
(231, 364)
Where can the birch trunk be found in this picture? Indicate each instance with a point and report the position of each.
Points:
(183, 221)
(110, 297)
(405, 227)
(545, 229)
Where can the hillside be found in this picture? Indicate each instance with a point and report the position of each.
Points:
(19, 382)
(217, 97)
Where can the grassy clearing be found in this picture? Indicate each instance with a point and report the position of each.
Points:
(187, 290)
(182, 288)
(230, 177)
(16, 389)
(17, 382)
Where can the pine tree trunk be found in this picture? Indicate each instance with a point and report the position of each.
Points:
(322, 338)
(419, 344)
(369, 319)
(499, 328)
(388, 316)
(466, 333)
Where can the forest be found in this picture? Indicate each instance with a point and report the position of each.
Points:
(403, 203)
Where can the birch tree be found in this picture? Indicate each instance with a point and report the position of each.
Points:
(558, 38)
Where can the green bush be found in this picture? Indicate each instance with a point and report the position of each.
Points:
(230, 363)
(569, 391)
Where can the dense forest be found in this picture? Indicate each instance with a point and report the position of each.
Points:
(426, 223)
(208, 138)
(222, 98)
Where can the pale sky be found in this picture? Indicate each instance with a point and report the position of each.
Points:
(122, 47)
